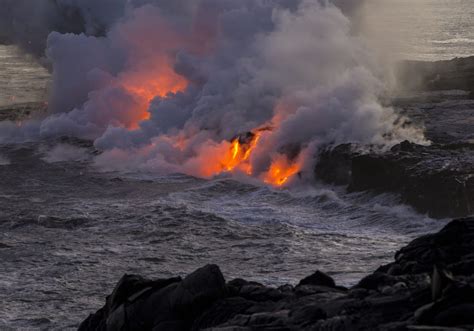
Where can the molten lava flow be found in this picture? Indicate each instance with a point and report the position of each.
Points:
(240, 153)
(280, 171)
(235, 156)
(235, 149)
(230, 160)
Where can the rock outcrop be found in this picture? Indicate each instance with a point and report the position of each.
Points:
(436, 179)
(429, 286)
(455, 74)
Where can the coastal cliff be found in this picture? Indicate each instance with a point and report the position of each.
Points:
(436, 178)
(455, 74)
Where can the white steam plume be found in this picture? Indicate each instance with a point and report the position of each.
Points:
(171, 84)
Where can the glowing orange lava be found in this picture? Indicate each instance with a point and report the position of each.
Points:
(150, 73)
(151, 57)
(166, 81)
(228, 156)
(280, 171)
(240, 153)
(157, 80)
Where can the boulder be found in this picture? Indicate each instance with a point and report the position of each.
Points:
(318, 278)
(172, 304)
(450, 248)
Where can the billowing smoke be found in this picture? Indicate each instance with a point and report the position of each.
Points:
(28, 23)
(212, 86)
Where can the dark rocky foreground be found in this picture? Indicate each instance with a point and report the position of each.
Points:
(429, 286)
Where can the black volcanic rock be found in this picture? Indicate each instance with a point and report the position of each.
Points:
(436, 179)
(430, 286)
(455, 74)
(318, 278)
(335, 164)
(451, 248)
(172, 304)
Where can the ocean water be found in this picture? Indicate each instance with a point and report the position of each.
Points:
(426, 30)
(22, 79)
(68, 231)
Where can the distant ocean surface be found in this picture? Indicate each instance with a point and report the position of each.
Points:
(424, 29)
(22, 79)
(415, 29)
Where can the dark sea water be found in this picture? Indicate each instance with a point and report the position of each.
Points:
(68, 232)
(426, 30)
(22, 79)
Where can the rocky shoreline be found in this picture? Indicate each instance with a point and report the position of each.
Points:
(429, 286)
(455, 74)
(437, 179)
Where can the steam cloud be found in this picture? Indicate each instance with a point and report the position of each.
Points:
(166, 85)
(28, 23)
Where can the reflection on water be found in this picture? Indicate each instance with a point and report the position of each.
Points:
(22, 79)
(423, 29)
(412, 29)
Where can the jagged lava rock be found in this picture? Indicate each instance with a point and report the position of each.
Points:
(429, 286)
(436, 179)
(455, 74)
(170, 304)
